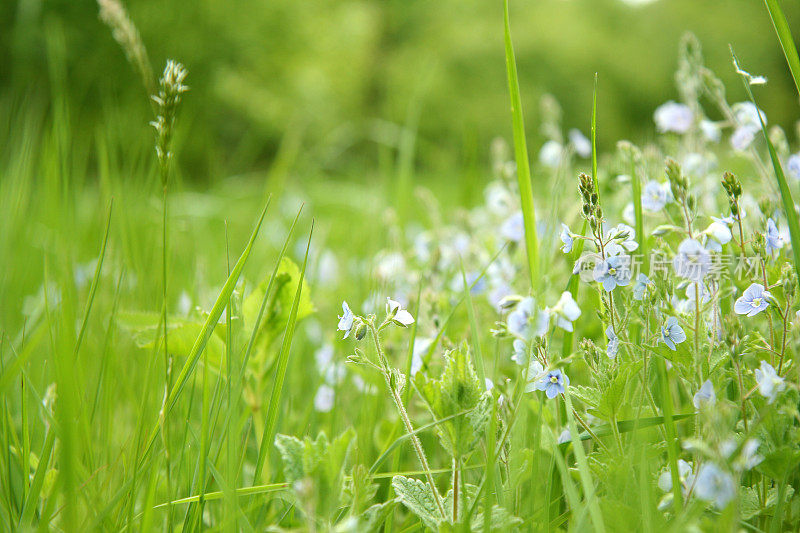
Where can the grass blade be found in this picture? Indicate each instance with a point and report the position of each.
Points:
(521, 156)
(786, 194)
(208, 327)
(280, 373)
(785, 38)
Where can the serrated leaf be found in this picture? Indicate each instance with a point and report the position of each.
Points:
(457, 390)
(418, 498)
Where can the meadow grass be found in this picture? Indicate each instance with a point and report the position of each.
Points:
(170, 357)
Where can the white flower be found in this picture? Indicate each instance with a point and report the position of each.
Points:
(346, 320)
(582, 145)
(742, 137)
(526, 321)
(711, 130)
(397, 314)
(323, 399)
(747, 115)
(769, 382)
(566, 311)
(705, 396)
(550, 154)
(672, 117)
(793, 166)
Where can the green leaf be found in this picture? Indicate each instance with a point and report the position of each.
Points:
(459, 389)
(418, 498)
(786, 40)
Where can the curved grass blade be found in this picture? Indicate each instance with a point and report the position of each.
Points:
(786, 194)
(521, 155)
(785, 38)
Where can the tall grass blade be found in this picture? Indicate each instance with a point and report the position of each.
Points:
(786, 194)
(521, 156)
(785, 38)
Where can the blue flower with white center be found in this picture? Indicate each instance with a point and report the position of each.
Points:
(691, 293)
(520, 355)
(654, 196)
(553, 383)
(773, 238)
(346, 320)
(692, 261)
(769, 382)
(567, 238)
(673, 117)
(672, 333)
(526, 321)
(705, 396)
(640, 287)
(613, 271)
(754, 300)
(566, 311)
(613, 343)
(793, 166)
(714, 485)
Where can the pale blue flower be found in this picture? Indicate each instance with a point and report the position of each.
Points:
(684, 475)
(754, 300)
(566, 311)
(747, 115)
(692, 260)
(711, 130)
(773, 238)
(769, 382)
(624, 238)
(673, 117)
(567, 238)
(749, 457)
(642, 282)
(742, 137)
(520, 355)
(526, 321)
(346, 320)
(612, 272)
(553, 383)
(513, 228)
(535, 373)
(654, 196)
(705, 396)
(565, 437)
(613, 343)
(672, 333)
(793, 166)
(714, 485)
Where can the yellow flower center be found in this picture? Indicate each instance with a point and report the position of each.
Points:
(756, 302)
(612, 271)
(553, 379)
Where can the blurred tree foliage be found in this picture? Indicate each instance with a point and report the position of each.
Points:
(338, 77)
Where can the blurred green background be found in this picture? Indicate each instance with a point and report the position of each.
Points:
(333, 82)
